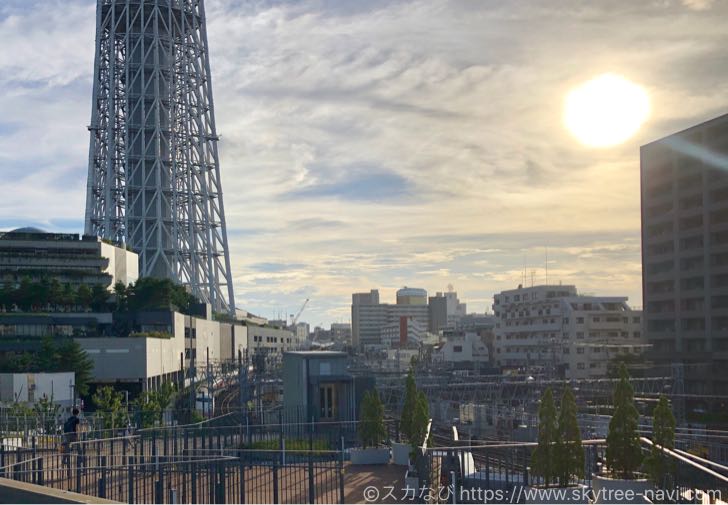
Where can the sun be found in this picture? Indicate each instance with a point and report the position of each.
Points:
(606, 111)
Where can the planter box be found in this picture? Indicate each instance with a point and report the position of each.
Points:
(571, 494)
(371, 456)
(609, 490)
(411, 481)
(401, 453)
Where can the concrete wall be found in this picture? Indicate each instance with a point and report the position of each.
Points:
(16, 386)
(123, 265)
(22, 492)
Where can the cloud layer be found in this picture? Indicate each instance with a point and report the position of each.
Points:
(378, 144)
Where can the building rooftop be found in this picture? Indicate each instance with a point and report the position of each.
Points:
(317, 354)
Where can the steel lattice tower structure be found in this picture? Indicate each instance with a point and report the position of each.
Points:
(154, 172)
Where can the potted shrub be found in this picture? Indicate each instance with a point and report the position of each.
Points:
(371, 433)
(401, 450)
(624, 452)
(660, 468)
(418, 435)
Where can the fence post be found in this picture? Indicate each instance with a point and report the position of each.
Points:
(159, 486)
(34, 452)
(78, 471)
(525, 466)
(2, 460)
(242, 477)
(275, 482)
(102, 480)
(193, 482)
(341, 472)
(41, 478)
(130, 490)
(221, 482)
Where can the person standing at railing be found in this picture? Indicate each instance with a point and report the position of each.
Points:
(70, 435)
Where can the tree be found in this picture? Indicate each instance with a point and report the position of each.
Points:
(408, 408)
(147, 409)
(624, 454)
(371, 426)
(109, 407)
(569, 451)
(46, 412)
(122, 297)
(99, 298)
(83, 296)
(71, 357)
(163, 398)
(658, 465)
(420, 421)
(543, 459)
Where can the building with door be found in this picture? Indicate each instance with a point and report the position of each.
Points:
(317, 386)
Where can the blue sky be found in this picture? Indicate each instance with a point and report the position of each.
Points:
(383, 143)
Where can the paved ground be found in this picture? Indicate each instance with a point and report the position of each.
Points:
(385, 479)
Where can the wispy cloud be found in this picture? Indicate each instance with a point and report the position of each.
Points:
(378, 143)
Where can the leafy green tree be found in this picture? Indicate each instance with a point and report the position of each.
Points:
(46, 412)
(68, 295)
(164, 397)
(47, 360)
(408, 408)
(543, 459)
(110, 407)
(624, 454)
(55, 292)
(147, 409)
(371, 426)
(420, 420)
(24, 294)
(99, 298)
(659, 466)
(569, 451)
(72, 358)
(83, 296)
(122, 297)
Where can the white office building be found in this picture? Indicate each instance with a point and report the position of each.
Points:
(553, 328)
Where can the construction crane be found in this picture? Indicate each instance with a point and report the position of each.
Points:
(294, 320)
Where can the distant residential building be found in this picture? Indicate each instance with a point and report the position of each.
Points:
(68, 258)
(445, 311)
(272, 341)
(463, 348)
(302, 331)
(367, 319)
(406, 332)
(341, 332)
(553, 328)
(684, 186)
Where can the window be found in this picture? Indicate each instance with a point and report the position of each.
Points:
(579, 350)
(579, 320)
(457, 348)
(580, 366)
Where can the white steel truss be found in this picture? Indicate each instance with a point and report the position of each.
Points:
(154, 172)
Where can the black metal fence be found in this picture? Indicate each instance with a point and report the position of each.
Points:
(463, 468)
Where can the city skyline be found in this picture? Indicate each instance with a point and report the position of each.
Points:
(364, 146)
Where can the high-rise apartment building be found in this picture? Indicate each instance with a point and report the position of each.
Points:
(684, 186)
(555, 330)
(367, 317)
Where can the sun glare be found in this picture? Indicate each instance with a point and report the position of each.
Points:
(605, 111)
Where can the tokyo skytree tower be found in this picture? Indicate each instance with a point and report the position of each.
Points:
(154, 171)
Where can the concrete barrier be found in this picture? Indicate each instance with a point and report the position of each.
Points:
(12, 491)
